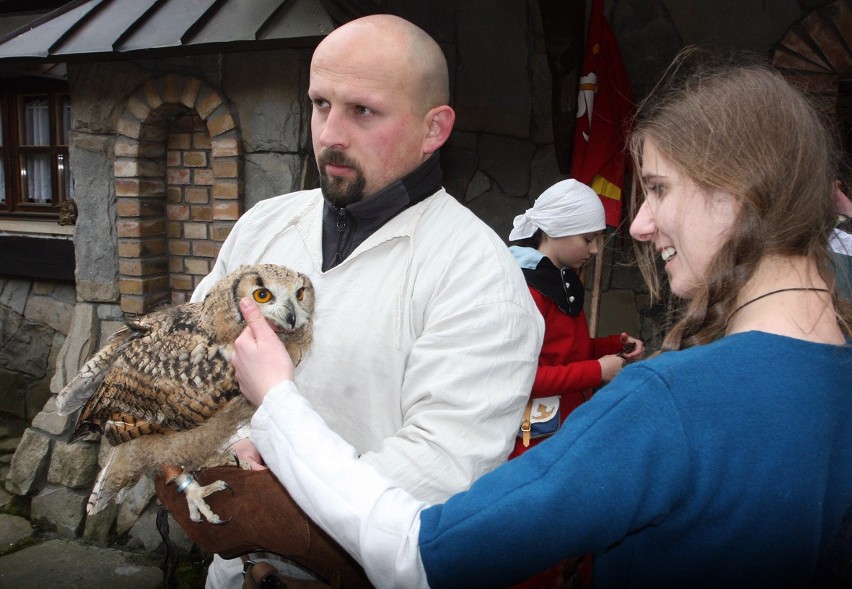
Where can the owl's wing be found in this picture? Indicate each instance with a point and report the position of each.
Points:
(92, 374)
(169, 375)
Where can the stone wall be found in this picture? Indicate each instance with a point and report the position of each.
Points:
(35, 317)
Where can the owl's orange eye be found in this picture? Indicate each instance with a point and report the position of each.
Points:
(300, 294)
(262, 295)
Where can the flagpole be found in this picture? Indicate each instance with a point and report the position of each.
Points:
(596, 291)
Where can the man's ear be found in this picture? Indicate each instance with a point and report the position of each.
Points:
(440, 121)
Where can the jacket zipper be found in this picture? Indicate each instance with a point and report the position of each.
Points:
(342, 225)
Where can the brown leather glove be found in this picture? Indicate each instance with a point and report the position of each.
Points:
(263, 518)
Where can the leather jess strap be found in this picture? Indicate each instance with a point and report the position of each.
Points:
(262, 517)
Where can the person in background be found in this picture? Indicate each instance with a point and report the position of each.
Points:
(556, 238)
(425, 336)
(841, 239)
(723, 461)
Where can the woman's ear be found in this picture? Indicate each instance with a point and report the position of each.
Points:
(440, 121)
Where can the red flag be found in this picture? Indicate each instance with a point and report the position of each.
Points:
(604, 110)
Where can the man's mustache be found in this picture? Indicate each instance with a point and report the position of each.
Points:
(335, 158)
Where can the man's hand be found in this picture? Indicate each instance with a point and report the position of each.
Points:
(247, 453)
(260, 359)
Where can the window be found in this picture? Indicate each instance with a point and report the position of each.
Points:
(34, 174)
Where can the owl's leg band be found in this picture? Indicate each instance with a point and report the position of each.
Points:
(182, 481)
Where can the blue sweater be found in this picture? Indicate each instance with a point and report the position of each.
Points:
(725, 465)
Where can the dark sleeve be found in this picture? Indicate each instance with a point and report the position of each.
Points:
(594, 482)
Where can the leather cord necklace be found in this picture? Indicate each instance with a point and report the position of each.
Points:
(772, 292)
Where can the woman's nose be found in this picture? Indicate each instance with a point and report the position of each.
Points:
(643, 227)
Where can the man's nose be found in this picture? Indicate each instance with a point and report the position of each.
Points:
(333, 131)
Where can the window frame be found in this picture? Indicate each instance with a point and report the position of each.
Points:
(12, 97)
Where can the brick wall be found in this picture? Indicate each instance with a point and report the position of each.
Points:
(178, 189)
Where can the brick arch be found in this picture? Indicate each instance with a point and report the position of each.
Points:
(816, 52)
(178, 185)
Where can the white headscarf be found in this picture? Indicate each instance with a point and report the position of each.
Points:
(566, 208)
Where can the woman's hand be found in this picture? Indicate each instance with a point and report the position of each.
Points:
(260, 359)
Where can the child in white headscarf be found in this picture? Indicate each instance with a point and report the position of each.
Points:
(556, 238)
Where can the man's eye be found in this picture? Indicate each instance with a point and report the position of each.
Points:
(364, 110)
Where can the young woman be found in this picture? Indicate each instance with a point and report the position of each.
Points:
(725, 461)
(555, 239)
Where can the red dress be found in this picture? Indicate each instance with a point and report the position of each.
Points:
(567, 363)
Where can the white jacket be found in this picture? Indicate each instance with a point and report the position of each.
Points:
(425, 338)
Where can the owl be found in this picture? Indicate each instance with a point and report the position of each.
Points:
(162, 390)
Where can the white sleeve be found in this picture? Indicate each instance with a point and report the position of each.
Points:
(366, 513)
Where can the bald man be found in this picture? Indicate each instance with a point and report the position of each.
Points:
(426, 338)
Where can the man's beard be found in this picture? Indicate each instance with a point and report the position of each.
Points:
(338, 191)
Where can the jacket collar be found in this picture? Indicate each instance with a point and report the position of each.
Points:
(345, 228)
(562, 286)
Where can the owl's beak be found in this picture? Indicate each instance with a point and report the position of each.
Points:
(291, 314)
(287, 316)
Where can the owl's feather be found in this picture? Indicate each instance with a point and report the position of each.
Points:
(162, 390)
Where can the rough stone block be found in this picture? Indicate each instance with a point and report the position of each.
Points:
(73, 465)
(10, 503)
(133, 503)
(29, 464)
(24, 345)
(50, 311)
(99, 526)
(9, 445)
(63, 508)
(14, 293)
(13, 529)
(78, 346)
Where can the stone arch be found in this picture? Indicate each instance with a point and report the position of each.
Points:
(178, 186)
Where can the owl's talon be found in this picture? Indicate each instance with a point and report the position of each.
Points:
(195, 495)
